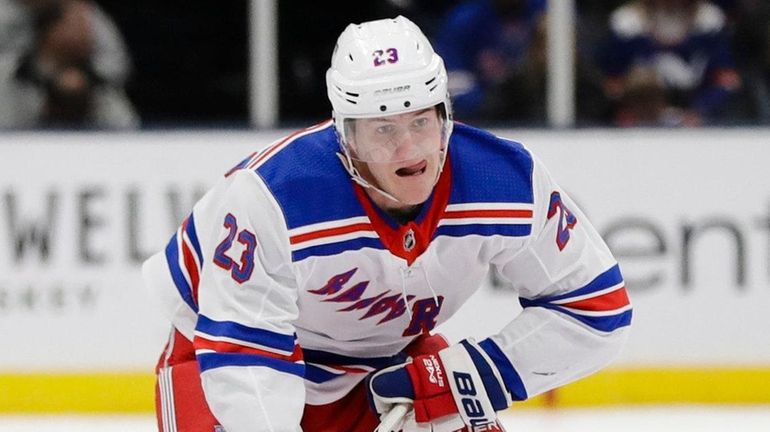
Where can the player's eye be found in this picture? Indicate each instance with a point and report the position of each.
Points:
(420, 122)
(385, 130)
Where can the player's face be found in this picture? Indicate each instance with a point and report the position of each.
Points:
(400, 154)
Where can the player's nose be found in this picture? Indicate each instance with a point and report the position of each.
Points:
(406, 144)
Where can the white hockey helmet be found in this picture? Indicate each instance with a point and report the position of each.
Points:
(385, 67)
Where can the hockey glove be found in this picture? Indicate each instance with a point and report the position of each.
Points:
(457, 387)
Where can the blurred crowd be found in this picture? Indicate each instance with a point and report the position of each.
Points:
(100, 64)
(63, 64)
(638, 62)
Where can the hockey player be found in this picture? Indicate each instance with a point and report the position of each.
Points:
(314, 271)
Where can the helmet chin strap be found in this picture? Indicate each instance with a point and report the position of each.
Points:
(347, 162)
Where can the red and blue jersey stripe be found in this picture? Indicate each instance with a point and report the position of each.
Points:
(227, 343)
(334, 237)
(602, 304)
(486, 219)
(323, 366)
(185, 261)
(315, 194)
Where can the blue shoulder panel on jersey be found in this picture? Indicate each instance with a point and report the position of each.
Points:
(487, 168)
(311, 186)
(309, 182)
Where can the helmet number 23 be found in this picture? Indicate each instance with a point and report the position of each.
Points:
(381, 57)
(240, 272)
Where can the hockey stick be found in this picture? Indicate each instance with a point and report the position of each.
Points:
(392, 418)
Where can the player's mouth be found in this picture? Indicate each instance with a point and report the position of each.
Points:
(413, 170)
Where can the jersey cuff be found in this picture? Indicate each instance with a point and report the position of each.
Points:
(511, 378)
(493, 382)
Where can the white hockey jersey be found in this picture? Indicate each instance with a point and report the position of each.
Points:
(294, 286)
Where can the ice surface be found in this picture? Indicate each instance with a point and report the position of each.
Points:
(635, 419)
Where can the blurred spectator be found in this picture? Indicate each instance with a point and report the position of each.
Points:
(63, 64)
(429, 14)
(751, 22)
(669, 62)
(487, 48)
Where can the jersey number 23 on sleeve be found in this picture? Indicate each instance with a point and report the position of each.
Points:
(240, 272)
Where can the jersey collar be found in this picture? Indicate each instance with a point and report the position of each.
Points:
(410, 240)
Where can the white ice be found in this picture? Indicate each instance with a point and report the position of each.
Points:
(636, 419)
